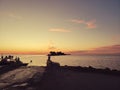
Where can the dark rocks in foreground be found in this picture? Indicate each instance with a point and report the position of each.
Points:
(57, 77)
(79, 78)
(91, 69)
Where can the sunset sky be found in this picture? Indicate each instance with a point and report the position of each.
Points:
(78, 26)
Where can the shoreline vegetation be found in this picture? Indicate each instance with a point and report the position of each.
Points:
(56, 77)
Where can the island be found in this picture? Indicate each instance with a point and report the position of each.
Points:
(53, 53)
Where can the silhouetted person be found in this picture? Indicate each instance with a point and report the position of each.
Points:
(2, 57)
(30, 61)
(17, 59)
(4, 60)
(49, 56)
(49, 62)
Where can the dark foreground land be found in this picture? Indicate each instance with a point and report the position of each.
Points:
(60, 78)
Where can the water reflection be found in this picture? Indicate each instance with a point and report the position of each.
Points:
(112, 62)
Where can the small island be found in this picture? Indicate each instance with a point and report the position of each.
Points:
(53, 53)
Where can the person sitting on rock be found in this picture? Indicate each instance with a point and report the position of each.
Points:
(49, 62)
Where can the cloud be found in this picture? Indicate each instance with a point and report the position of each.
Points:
(89, 24)
(107, 50)
(78, 21)
(15, 16)
(113, 48)
(116, 38)
(59, 30)
(11, 15)
(51, 46)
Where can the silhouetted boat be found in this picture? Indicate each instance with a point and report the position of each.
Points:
(13, 63)
(8, 60)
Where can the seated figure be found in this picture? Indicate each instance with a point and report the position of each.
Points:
(50, 63)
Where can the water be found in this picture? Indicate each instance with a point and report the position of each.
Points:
(112, 62)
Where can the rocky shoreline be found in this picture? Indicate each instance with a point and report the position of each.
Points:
(59, 78)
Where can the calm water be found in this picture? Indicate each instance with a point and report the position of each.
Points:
(112, 62)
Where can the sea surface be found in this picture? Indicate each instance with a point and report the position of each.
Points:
(97, 61)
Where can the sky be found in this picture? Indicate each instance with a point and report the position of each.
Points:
(75, 26)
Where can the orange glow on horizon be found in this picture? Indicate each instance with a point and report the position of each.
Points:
(114, 49)
(23, 52)
(31, 52)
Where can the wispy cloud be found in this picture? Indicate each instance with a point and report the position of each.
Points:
(11, 15)
(89, 24)
(78, 21)
(116, 38)
(59, 30)
(109, 50)
(51, 46)
(15, 16)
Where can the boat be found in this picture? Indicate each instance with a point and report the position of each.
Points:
(9, 60)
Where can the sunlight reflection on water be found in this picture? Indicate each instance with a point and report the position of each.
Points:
(112, 62)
